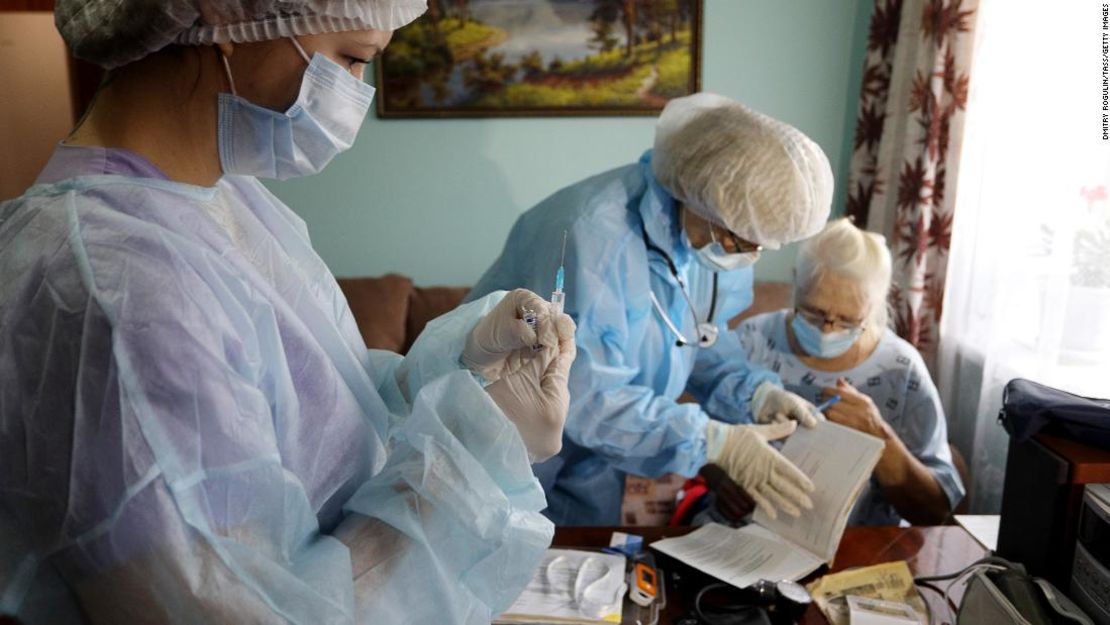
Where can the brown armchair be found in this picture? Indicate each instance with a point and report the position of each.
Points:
(391, 311)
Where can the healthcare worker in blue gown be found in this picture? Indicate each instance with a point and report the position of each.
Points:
(658, 259)
(191, 428)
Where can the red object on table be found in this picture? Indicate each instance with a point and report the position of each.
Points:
(693, 490)
(927, 550)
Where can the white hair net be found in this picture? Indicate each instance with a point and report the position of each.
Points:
(112, 33)
(853, 254)
(756, 176)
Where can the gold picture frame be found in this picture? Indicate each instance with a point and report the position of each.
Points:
(542, 58)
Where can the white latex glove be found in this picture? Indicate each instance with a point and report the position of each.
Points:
(773, 404)
(532, 390)
(772, 481)
(502, 332)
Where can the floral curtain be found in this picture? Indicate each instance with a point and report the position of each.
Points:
(907, 144)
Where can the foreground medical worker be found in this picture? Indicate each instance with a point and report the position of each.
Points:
(658, 259)
(836, 342)
(191, 429)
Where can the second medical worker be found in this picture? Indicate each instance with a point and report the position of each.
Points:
(658, 259)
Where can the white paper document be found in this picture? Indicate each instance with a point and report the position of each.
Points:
(741, 556)
(839, 460)
(982, 527)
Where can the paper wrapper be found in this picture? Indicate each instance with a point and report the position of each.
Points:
(890, 581)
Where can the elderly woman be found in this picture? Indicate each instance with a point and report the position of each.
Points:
(835, 342)
(191, 428)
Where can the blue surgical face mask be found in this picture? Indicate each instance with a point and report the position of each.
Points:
(714, 258)
(323, 121)
(822, 345)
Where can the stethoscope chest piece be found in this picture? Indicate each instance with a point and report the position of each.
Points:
(707, 334)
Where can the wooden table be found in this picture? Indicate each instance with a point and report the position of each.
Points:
(927, 550)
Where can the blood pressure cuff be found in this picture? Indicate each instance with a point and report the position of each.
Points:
(1012, 597)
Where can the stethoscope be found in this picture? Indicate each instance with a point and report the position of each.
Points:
(707, 330)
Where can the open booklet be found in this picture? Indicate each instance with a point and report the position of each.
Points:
(839, 460)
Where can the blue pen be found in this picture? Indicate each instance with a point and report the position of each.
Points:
(823, 406)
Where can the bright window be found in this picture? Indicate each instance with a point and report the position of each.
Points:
(1029, 277)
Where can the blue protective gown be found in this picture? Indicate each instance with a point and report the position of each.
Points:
(624, 384)
(187, 412)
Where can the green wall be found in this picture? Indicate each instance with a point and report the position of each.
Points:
(434, 199)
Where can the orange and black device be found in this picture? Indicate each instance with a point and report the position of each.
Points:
(644, 586)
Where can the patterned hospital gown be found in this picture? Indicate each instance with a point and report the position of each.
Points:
(895, 378)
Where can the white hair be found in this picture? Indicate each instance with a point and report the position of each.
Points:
(850, 253)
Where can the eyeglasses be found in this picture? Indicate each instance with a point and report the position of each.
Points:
(739, 246)
(820, 318)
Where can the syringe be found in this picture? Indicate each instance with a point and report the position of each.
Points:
(529, 316)
(557, 295)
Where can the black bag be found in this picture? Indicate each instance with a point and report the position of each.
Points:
(1028, 407)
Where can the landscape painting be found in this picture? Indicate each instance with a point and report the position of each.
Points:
(542, 57)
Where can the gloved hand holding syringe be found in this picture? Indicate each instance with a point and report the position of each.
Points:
(529, 385)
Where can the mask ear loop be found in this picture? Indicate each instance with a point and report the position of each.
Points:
(304, 55)
(227, 66)
(712, 233)
(227, 70)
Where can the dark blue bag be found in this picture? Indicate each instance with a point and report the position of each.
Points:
(1028, 407)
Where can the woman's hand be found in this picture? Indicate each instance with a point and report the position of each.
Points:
(528, 367)
(503, 332)
(533, 388)
(773, 404)
(906, 482)
(768, 477)
(856, 410)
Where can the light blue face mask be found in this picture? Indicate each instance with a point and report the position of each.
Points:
(714, 257)
(323, 121)
(819, 344)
